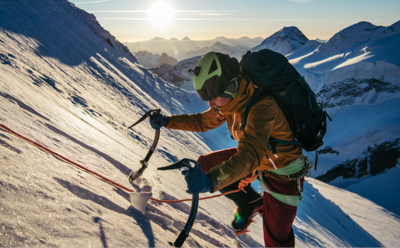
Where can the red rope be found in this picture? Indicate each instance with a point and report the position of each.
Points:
(100, 176)
(66, 160)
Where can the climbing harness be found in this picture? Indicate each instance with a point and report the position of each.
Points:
(293, 172)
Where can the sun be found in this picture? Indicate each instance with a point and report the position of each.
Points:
(161, 14)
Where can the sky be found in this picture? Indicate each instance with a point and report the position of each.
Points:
(132, 20)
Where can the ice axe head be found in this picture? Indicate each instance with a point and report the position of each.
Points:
(152, 112)
(184, 163)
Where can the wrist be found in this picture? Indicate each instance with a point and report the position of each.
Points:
(210, 183)
(166, 121)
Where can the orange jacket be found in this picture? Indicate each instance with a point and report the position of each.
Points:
(265, 119)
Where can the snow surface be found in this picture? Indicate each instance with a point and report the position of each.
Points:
(285, 41)
(341, 72)
(68, 85)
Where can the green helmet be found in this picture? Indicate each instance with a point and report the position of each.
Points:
(212, 75)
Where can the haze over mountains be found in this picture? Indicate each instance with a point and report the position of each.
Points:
(149, 60)
(187, 48)
(69, 85)
(283, 41)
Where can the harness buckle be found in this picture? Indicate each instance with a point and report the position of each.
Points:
(307, 164)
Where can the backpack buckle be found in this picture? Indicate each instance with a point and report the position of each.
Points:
(301, 126)
(282, 93)
(307, 164)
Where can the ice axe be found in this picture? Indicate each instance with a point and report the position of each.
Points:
(139, 199)
(195, 200)
(144, 162)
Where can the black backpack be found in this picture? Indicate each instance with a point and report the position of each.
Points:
(273, 75)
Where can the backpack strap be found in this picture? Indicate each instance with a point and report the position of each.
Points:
(285, 142)
(257, 95)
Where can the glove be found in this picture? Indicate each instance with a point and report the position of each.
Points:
(158, 121)
(198, 181)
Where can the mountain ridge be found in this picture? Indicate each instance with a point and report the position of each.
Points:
(178, 48)
(284, 41)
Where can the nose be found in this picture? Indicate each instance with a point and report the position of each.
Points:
(211, 103)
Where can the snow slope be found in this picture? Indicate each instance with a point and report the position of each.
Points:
(376, 220)
(68, 85)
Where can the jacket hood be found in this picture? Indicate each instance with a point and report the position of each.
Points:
(245, 91)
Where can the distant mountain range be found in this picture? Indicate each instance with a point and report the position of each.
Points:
(284, 41)
(149, 60)
(187, 48)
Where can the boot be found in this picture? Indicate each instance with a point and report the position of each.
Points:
(248, 204)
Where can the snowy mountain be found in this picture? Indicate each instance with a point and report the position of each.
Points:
(149, 60)
(179, 74)
(356, 75)
(243, 41)
(284, 41)
(355, 37)
(187, 48)
(71, 87)
(376, 164)
(236, 51)
(173, 47)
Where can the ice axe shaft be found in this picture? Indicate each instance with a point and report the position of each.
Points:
(144, 162)
(190, 164)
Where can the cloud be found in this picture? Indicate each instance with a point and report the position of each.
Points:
(301, 1)
(212, 14)
(98, 1)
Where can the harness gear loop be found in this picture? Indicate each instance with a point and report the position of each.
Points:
(293, 172)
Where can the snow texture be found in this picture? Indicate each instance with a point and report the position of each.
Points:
(284, 41)
(70, 86)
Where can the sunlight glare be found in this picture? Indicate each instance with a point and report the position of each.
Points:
(161, 14)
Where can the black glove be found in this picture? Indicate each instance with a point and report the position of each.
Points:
(198, 181)
(158, 121)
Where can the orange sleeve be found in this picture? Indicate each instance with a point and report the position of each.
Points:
(200, 122)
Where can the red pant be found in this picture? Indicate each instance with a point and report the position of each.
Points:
(277, 216)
